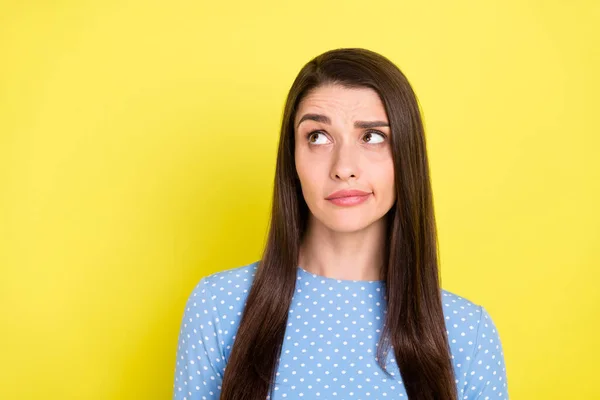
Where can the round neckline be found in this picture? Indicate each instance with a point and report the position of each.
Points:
(344, 281)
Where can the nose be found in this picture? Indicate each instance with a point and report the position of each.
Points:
(345, 162)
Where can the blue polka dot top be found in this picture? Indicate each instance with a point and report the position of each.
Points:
(329, 349)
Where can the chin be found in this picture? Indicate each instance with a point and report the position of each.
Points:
(348, 224)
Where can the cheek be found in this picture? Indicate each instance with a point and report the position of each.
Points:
(308, 172)
(382, 175)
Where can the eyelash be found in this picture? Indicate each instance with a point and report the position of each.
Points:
(369, 131)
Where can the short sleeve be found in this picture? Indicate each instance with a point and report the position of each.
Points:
(200, 363)
(486, 378)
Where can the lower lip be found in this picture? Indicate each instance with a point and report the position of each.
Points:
(350, 201)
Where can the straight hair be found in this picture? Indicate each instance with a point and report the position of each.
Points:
(414, 324)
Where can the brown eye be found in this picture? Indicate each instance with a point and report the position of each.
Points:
(374, 137)
(313, 138)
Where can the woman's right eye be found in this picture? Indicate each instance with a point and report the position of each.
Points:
(313, 138)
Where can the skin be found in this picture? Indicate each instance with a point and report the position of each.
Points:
(344, 242)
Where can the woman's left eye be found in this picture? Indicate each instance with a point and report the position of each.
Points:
(374, 137)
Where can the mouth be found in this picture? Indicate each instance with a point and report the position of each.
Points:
(347, 193)
(349, 198)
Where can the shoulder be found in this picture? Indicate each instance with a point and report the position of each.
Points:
(462, 317)
(226, 286)
(471, 330)
(208, 327)
(235, 279)
(218, 300)
(225, 292)
(475, 345)
(459, 307)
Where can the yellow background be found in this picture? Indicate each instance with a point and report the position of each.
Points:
(137, 150)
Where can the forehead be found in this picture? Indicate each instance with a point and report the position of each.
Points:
(353, 103)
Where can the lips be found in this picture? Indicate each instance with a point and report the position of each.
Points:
(347, 193)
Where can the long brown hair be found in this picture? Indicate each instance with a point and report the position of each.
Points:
(414, 324)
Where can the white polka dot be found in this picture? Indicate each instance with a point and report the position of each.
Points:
(331, 340)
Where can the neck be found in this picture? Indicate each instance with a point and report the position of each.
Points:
(357, 255)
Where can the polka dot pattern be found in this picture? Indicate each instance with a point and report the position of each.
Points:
(330, 345)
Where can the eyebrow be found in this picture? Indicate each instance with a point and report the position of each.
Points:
(357, 124)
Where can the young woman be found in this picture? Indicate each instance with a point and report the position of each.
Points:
(346, 301)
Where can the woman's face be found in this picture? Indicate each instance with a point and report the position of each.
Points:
(342, 141)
